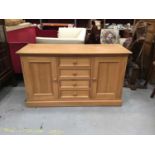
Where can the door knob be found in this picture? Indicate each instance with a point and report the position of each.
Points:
(94, 79)
(75, 84)
(75, 63)
(55, 80)
(75, 74)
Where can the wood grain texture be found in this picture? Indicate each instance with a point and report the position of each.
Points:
(72, 103)
(73, 49)
(52, 80)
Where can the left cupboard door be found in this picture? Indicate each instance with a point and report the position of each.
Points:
(40, 76)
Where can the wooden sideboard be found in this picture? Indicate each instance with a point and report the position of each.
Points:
(73, 74)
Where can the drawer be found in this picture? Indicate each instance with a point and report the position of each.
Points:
(72, 73)
(74, 61)
(74, 94)
(74, 84)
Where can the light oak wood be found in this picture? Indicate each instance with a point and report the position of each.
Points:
(72, 49)
(74, 84)
(74, 94)
(72, 73)
(107, 77)
(83, 102)
(40, 77)
(74, 61)
(73, 80)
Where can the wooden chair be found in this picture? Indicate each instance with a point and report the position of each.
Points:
(151, 66)
(93, 36)
(135, 62)
(153, 92)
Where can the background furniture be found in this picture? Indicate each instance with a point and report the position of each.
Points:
(153, 92)
(82, 22)
(55, 26)
(17, 39)
(65, 36)
(147, 46)
(151, 69)
(73, 75)
(19, 26)
(46, 33)
(135, 70)
(6, 72)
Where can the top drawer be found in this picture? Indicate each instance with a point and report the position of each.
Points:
(74, 61)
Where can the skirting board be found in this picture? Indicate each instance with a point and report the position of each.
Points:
(72, 103)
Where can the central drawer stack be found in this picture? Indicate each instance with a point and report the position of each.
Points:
(74, 77)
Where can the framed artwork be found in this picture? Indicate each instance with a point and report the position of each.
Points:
(109, 36)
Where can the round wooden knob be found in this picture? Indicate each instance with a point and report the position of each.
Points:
(54, 79)
(74, 94)
(75, 74)
(75, 63)
(94, 79)
(75, 84)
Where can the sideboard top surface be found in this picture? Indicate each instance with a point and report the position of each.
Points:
(73, 49)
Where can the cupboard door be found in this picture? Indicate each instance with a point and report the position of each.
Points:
(40, 77)
(107, 77)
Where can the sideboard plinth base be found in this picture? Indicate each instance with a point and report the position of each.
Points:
(72, 103)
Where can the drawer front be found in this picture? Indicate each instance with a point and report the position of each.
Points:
(70, 73)
(74, 84)
(74, 61)
(74, 94)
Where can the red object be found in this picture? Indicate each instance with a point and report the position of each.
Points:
(46, 33)
(18, 39)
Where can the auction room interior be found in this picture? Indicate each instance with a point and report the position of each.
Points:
(77, 76)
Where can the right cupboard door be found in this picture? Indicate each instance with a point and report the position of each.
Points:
(107, 77)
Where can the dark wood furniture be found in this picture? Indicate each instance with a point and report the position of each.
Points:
(135, 69)
(148, 45)
(153, 92)
(54, 26)
(6, 72)
(151, 67)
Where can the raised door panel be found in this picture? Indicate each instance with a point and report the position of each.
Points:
(40, 77)
(107, 77)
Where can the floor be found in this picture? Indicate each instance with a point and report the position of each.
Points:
(135, 116)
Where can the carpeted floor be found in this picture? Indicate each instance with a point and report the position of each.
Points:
(135, 116)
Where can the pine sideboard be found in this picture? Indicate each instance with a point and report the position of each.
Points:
(73, 74)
